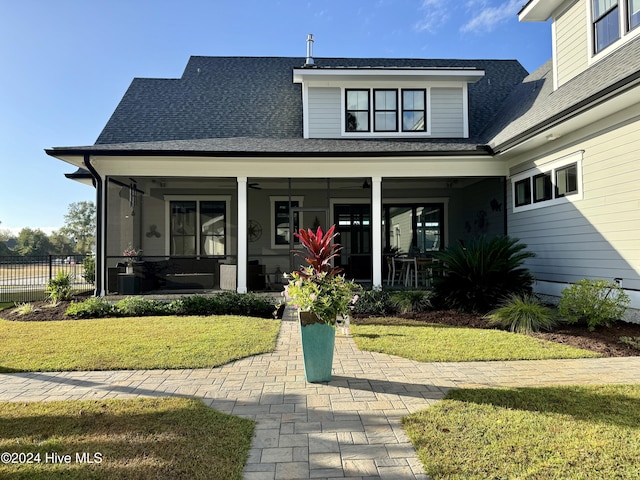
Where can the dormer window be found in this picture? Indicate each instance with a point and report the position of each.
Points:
(357, 110)
(385, 110)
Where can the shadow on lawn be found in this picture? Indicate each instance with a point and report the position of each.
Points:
(608, 404)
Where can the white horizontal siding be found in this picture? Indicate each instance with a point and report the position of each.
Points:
(571, 42)
(324, 113)
(447, 115)
(598, 236)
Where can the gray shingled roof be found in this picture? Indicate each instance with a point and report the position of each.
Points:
(234, 97)
(534, 103)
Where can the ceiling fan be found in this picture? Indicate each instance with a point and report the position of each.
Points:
(254, 185)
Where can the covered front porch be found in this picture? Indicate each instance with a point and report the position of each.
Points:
(236, 233)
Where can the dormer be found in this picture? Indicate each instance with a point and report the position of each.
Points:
(584, 31)
(385, 102)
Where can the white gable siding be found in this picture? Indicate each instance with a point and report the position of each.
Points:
(447, 113)
(324, 113)
(596, 237)
(571, 42)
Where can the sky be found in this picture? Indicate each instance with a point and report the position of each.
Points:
(65, 64)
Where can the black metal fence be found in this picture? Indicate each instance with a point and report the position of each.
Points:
(24, 279)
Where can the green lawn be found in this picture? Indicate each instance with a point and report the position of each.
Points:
(590, 432)
(139, 439)
(133, 343)
(440, 343)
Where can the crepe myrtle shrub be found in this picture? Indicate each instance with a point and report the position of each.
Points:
(92, 307)
(594, 302)
(59, 288)
(375, 302)
(475, 277)
(522, 314)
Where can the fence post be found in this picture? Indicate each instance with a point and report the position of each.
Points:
(50, 267)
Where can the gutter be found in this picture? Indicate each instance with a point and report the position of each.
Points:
(97, 183)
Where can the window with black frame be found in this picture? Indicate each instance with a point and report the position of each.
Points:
(606, 23)
(357, 110)
(413, 229)
(281, 229)
(197, 227)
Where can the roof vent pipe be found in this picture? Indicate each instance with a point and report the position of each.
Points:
(309, 61)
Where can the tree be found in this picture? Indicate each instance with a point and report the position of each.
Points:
(80, 226)
(61, 244)
(33, 242)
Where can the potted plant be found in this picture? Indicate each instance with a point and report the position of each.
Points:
(131, 255)
(320, 293)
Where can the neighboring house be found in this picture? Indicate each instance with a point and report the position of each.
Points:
(219, 166)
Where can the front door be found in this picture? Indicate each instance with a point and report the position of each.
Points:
(353, 223)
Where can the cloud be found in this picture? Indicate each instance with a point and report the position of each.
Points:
(435, 15)
(489, 17)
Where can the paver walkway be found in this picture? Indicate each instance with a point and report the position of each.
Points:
(348, 428)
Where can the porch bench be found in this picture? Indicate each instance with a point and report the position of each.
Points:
(184, 273)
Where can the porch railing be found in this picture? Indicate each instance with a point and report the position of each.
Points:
(24, 279)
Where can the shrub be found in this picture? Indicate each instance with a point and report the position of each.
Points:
(92, 307)
(375, 302)
(59, 288)
(89, 270)
(25, 308)
(476, 277)
(225, 303)
(412, 300)
(596, 302)
(631, 341)
(522, 314)
(140, 307)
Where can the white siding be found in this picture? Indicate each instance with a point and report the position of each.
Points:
(324, 113)
(571, 42)
(597, 237)
(447, 115)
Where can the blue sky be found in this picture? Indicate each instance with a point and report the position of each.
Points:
(65, 64)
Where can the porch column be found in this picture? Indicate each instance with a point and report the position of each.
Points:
(242, 235)
(376, 230)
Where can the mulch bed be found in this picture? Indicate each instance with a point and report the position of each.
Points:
(605, 341)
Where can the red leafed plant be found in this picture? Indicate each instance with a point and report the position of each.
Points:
(320, 250)
(319, 288)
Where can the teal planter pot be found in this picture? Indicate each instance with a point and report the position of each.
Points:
(318, 341)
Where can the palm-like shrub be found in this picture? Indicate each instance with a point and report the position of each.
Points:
(522, 314)
(477, 276)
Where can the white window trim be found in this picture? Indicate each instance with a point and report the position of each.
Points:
(625, 36)
(550, 167)
(386, 134)
(197, 198)
(272, 201)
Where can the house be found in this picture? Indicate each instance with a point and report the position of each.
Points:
(211, 172)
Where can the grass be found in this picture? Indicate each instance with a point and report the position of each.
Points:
(531, 433)
(127, 439)
(441, 343)
(133, 343)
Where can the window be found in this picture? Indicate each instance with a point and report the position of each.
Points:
(556, 182)
(357, 111)
(542, 187)
(197, 227)
(386, 114)
(566, 180)
(281, 231)
(523, 192)
(413, 229)
(606, 23)
(386, 110)
(633, 14)
(414, 111)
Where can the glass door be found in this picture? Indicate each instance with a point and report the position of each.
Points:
(353, 223)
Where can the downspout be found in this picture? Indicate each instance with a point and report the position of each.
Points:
(97, 183)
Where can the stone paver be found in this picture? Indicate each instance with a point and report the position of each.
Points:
(347, 428)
